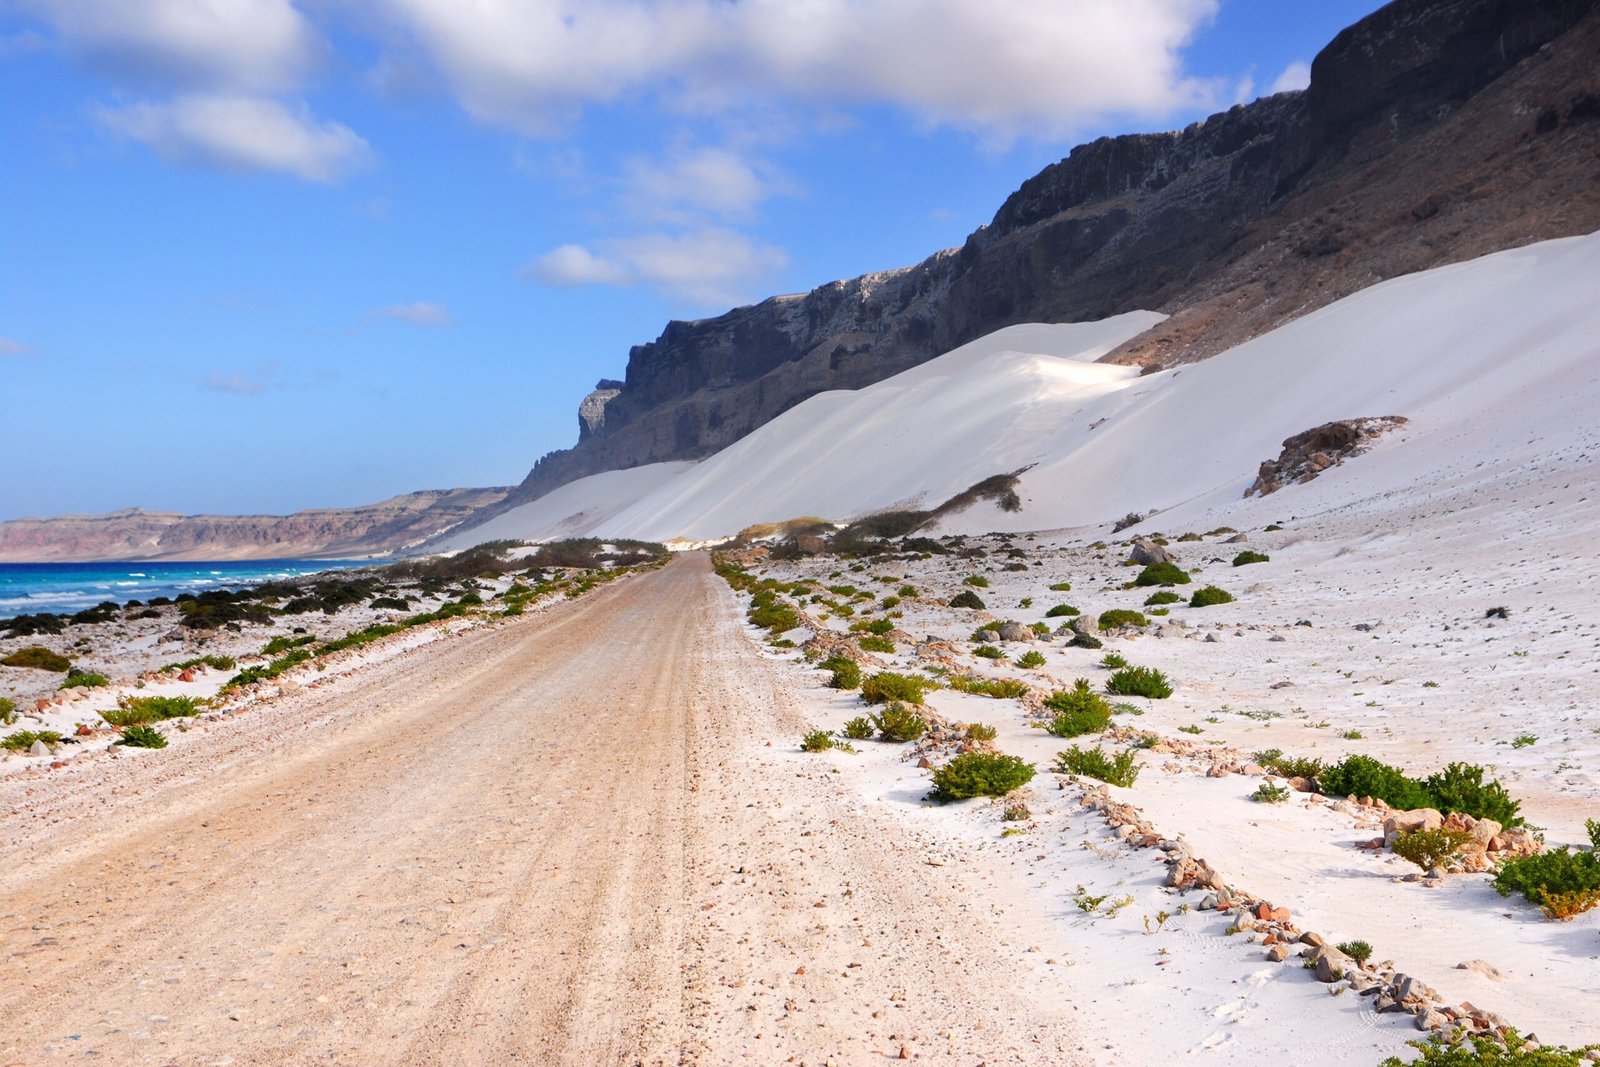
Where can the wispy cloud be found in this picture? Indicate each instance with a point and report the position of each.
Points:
(8, 347)
(234, 383)
(1296, 75)
(689, 183)
(242, 133)
(420, 313)
(709, 266)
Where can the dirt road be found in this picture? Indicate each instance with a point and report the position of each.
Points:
(559, 840)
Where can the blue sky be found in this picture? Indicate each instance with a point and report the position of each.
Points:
(259, 255)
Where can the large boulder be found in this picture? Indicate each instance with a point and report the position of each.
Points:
(1146, 552)
(1406, 822)
(1015, 631)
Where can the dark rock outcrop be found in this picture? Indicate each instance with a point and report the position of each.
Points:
(1309, 453)
(1433, 131)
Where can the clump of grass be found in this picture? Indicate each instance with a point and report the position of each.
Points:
(1078, 711)
(817, 741)
(1139, 682)
(1031, 659)
(1209, 597)
(1267, 793)
(998, 688)
(1162, 574)
(39, 658)
(1060, 587)
(1121, 769)
(1060, 610)
(1431, 848)
(1248, 556)
(23, 740)
(967, 599)
(976, 580)
(1116, 617)
(859, 728)
(87, 679)
(1164, 596)
(846, 672)
(898, 723)
(874, 643)
(886, 686)
(980, 774)
(8, 711)
(978, 731)
(141, 736)
(1275, 761)
(137, 711)
(1113, 661)
(988, 652)
(1359, 951)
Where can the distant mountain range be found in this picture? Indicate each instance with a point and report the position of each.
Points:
(328, 533)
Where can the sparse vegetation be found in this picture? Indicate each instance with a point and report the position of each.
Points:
(874, 643)
(1488, 1050)
(1060, 610)
(1164, 596)
(978, 731)
(817, 741)
(1431, 848)
(1563, 882)
(22, 740)
(39, 658)
(1116, 617)
(988, 652)
(141, 736)
(1132, 518)
(137, 711)
(898, 723)
(887, 686)
(1078, 711)
(1031, 659)
(1249, 556)
(967, 599)
(1113, 661)
(1139, 682)
(998, 688)
(859, 728)
(87, 679)
(1267, 793)
(1162, 574)
(976, 580)
(846, 672)
(1359, 951)
(1121, 769)
(980, 774)
(1274, 760)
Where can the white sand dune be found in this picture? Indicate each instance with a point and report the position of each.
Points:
(573, 510)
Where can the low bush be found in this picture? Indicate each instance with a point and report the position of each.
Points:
(1209, 597)
(886, 686)
(282, 643)
(1165, 596)
(877, 627)
(898, 723)
(1061, 610)
(8, 711)
(220, 663)
(136, 711)
(23, 740)
(1266, 793)
(999, 688)
(1431, 848)
(142, 737)
(1139, 682)
(817, 741)
(976, 580)
(1121, 769)
(360, 637)
(1363, 776)
(1113, 661)
(87, 679)
(1132, 518)
(1359, 951)
(846, 672)
(1487, 1050)
(1289, 766)
(1563, 875)
(1061, 587)
(967, 599)
(1247, 556)
(1593, 828)
(39, 658)
(1078, 711)
(1116, 617)
(1162, 574)
(390, 603)
(874, 643)
(980, 774)
(988, 652)
(978, 731)
(1085, 641)
(859, 728)
(1460, 787)
(1031, 659)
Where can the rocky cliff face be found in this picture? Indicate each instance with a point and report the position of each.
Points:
(1432, 131)
(327, 533)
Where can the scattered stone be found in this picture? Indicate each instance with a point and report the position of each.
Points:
(1483, 967)
(38, 748)
(1278, 953)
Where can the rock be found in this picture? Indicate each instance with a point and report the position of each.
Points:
(1386, 1005)
(1015, 631)
(1315, 940)
(1428, 1019)
(1300, 785)
(1405, 822)
(1211, 639)
(1146, 552)
(1237, 539)
(1267, 913)
(1331, 964)
(1483, 967)
(1208, 902)
(1278, 638)
(38, 748)
(186, 676)
(925, 764)
(1278, 953)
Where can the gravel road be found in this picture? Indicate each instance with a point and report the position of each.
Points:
(555, 840)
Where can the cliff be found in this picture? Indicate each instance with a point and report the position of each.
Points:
(1432, 131)
(326, 533)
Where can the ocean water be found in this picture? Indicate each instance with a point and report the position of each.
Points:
(30, 588)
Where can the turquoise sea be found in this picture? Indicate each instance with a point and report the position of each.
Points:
(31, 588)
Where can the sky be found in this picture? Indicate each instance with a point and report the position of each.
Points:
(262, 255)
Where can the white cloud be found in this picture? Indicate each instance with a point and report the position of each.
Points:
(8, 347)
(1296, 75)
(238, 45)
(235, 383)
(420, 313)
(716, 180)
(708, 266)
(1003, 68)
(242, 133)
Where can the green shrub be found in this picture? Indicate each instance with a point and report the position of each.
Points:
(1116, 617)
(873, 643)
(1085, 641)
(1248, 556)
(1031, 659)
(282, 644)
(1431, 848)
(770, 614)
(1556, 872)
(1289, 766)
(1359, 951)
(87, 679)
(966, 599)
(1165, 596)
(8, 711)
(1485, 1050)
(980, 774)
(23, 740)
(988, 652)
(142, 737)
(1113, 661)
(886, 686)
(978, 731)
(360, 637)
(976, 580)
(816, 741)
(1121, 769)
(846, 672)
(1078, 711)
(1061, 610)
(1593, 827)
(878, 627)
(1139, 682)
(1209, 596)
(897, 723)
(136, 711)
(859, 728)
(37, 658)
(1460, 787)
(1363, 776)
(1162, 574)
(999, 688)
(907, 591)
(221, 663)
(1061, 587)
(1266, 793)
